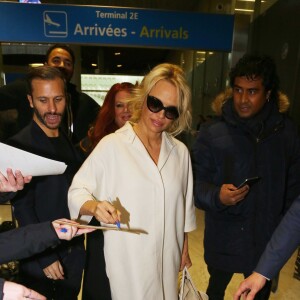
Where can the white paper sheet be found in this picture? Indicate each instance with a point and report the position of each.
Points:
(28, 163)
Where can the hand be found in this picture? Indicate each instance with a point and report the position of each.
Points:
(250, 286)
(67, 232)
(54, 271)
(14, 291)
(103, 211)
(230, 195)
(13, 183)
(185, 257)
(107, 213)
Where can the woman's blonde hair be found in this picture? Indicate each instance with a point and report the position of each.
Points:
(175, 75)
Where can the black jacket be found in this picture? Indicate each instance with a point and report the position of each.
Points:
(45, 198)
(5, 197)
(24, 242)
(283, 243)
(228, 151)
(84, 109)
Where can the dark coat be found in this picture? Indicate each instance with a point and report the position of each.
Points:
(5, 197)
(45, 198)
(24, 242)
(84, 108)
(283, 243)
(228, 151)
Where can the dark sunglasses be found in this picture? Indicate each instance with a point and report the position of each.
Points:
(155, 106)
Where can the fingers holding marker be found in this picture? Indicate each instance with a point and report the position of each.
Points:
(107, 213)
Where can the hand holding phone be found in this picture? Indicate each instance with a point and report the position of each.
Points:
(249, 181)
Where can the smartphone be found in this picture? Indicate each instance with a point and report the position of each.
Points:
(249, 181)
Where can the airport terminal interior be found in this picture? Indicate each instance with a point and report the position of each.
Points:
(257, 28)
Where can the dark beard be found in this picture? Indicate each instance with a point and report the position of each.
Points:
(42, 120)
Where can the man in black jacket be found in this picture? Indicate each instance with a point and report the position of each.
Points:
(55, 273)
(252, 136)
(81, 109)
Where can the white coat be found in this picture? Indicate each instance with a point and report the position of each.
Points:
(155, 198)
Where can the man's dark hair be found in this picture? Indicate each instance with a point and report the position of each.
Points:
(254, 66)
(61, 46)
(44, 73)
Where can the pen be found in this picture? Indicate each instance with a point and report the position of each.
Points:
(117, 223)
(109, 200)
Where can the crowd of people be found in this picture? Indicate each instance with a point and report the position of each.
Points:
(126, 170)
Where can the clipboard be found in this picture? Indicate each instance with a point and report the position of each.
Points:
(132, 230)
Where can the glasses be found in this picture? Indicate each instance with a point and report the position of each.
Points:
(155, 106)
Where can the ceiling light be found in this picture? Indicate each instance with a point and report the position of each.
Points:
(94, 65)
(119, 66)
(33, 65)
(117, 53)
(241, 9)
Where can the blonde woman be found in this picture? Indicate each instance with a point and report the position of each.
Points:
(147, 174)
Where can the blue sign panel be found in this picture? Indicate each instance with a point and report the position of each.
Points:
(115, 26)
